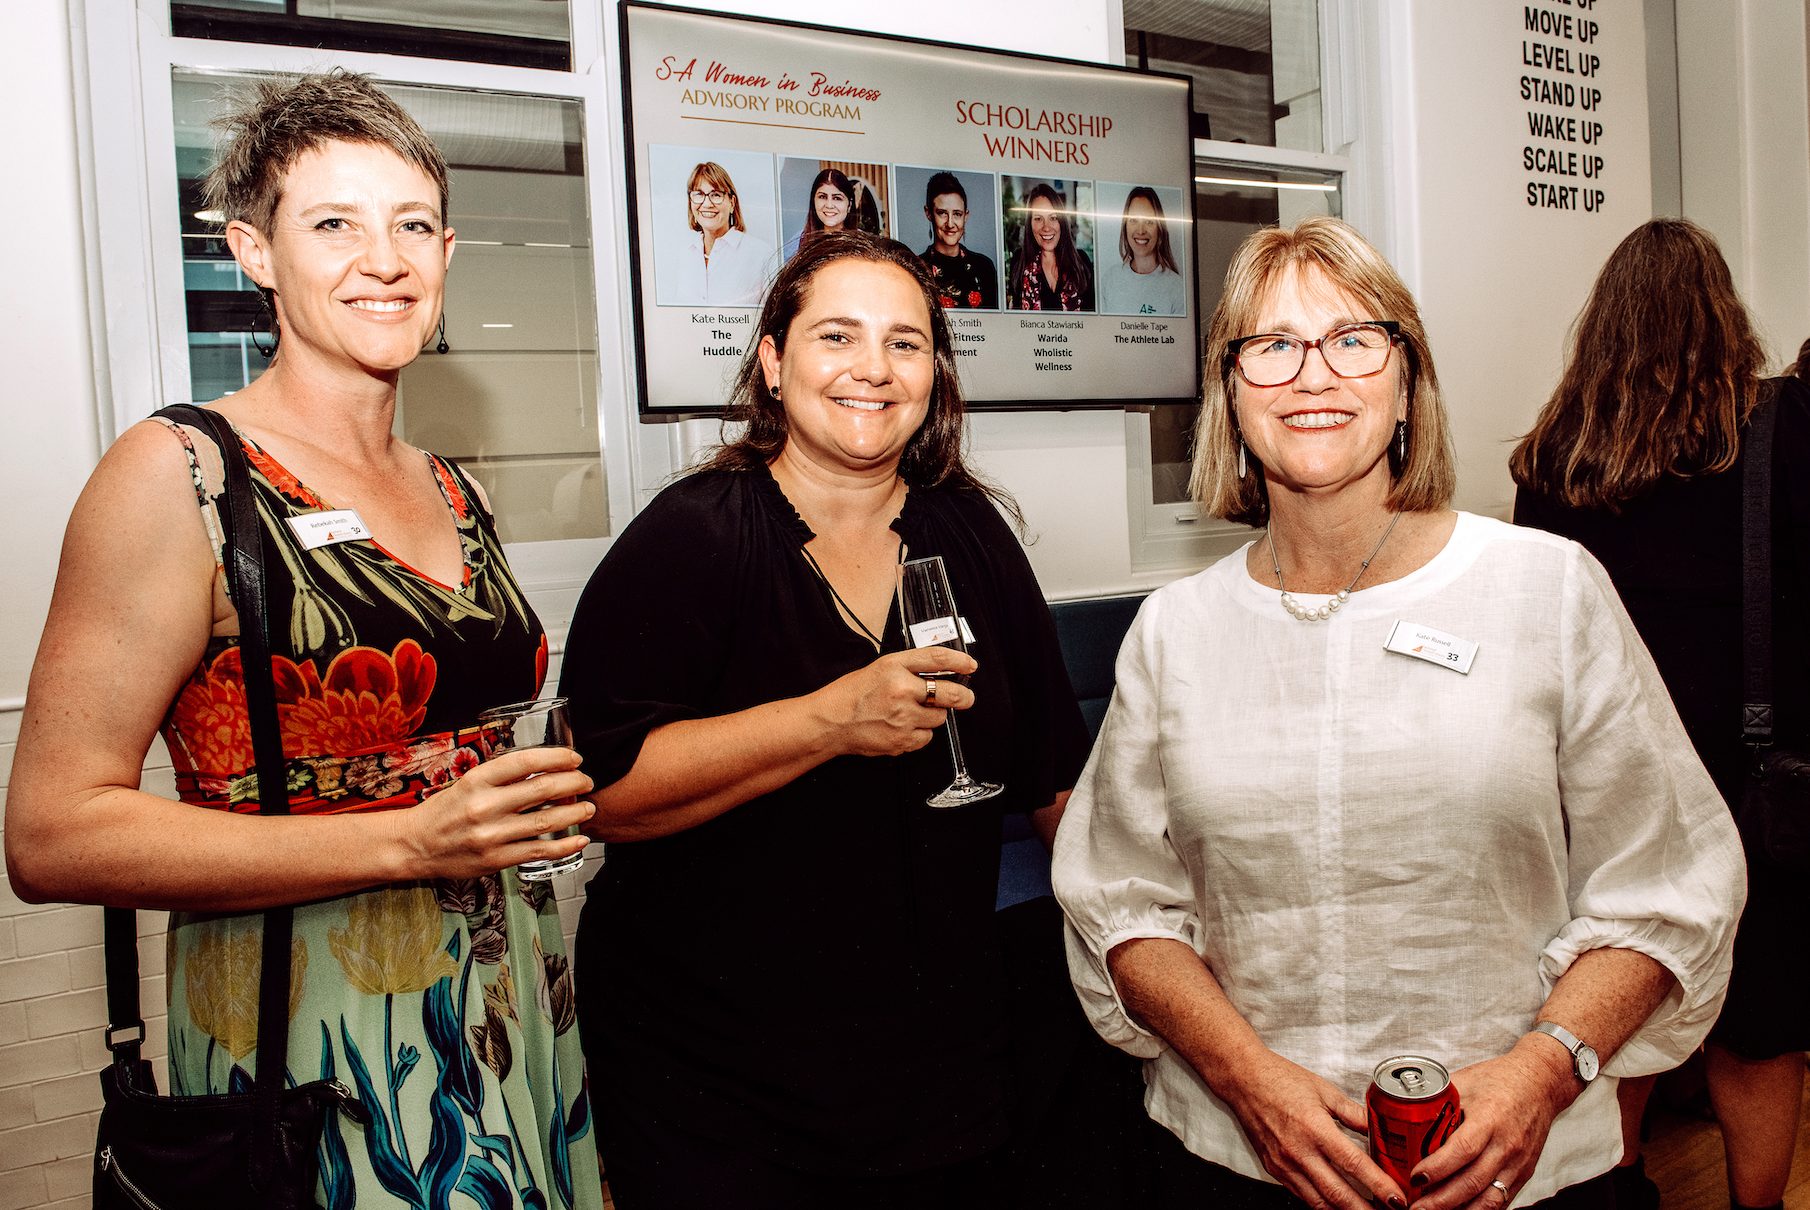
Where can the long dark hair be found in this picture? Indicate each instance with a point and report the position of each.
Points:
(1662, 371)
(829, 176)
(933, 456)
(1070, 267)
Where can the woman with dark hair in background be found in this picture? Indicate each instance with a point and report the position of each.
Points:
(1637, 455)
(415, 943)
(790, 990)
(1145, 280)
(1049, 273)
(831, 207)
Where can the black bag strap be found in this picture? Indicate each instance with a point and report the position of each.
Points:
(1756, 566)
(244, 565)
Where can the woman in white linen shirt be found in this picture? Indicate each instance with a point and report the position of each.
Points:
(721, 264)
(1296, 853)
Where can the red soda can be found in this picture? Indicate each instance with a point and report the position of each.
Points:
(1413, 1108)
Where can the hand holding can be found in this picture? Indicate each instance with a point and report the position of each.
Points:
(1413, 1109)
(536, 724)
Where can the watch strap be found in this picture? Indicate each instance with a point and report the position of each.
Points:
(1576, 1045)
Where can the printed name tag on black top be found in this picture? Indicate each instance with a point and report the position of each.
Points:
(325, 529)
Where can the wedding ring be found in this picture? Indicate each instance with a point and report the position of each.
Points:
(929, 692)
(1497, 1184)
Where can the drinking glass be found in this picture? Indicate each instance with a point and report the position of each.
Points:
(931, 620)
(538, 724)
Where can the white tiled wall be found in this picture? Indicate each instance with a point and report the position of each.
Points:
(53, 1013)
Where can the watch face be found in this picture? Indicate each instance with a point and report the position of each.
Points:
(1587, 1065)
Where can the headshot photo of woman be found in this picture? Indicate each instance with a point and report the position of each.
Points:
(959, 237)
(723, 255)
(839, 197)
(1145, 279)
(1050, 270)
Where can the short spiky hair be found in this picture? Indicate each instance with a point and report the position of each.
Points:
(273, 123)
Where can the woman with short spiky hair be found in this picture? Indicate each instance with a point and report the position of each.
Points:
(425, 975)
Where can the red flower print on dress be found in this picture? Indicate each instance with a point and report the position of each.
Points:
(368, 700)
(211, 720)
(279, 478)
(450, 486)
(974, 298)
(540, 665)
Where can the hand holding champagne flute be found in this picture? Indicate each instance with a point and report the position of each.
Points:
(927, 606)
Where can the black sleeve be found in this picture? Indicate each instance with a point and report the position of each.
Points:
(1791, 555)
(647, 638)
(1530, 510)
(989, 281)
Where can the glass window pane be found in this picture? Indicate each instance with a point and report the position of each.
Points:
(1230, 201)
(1255, 64)
(515, 33)
(515, 397)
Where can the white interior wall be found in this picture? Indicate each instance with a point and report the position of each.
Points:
(48, 404)
(1741, 68)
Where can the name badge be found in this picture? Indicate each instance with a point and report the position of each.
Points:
(325, 529)
(1433, 646)
(935, 631)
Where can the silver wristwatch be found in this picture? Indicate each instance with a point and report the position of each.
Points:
(1583, 1056)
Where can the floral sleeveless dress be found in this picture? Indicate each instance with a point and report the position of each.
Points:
(380, 672)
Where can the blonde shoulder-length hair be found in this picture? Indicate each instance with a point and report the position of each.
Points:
(1426, 478)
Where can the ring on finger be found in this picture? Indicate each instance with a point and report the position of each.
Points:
(929, 692)
(1497, 1184)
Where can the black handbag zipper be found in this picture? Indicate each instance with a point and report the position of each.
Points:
(111, 1167)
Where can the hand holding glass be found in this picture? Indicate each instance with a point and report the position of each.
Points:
(928, 608)
(539, 724)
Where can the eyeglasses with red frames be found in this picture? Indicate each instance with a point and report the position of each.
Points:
(1274, 359)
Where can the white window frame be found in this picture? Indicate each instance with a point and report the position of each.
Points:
(137, 295)
(1179, 537)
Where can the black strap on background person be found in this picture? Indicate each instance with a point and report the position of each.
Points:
(244, 559)
(1756, 567)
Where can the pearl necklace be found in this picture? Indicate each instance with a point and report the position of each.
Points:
(1309, 613)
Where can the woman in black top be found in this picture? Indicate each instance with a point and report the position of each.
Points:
(1637, 456)
(787, 981)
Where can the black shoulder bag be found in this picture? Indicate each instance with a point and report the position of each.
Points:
(243, 1149)
(1774, 812)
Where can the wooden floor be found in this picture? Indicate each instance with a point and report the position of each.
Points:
(1684, 1158)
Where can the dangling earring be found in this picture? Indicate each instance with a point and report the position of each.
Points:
(442, 347)
(267, 297)
(1243, 470)
(1401, 447)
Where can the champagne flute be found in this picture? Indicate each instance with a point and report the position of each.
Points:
(539, 724)
(928, 609)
